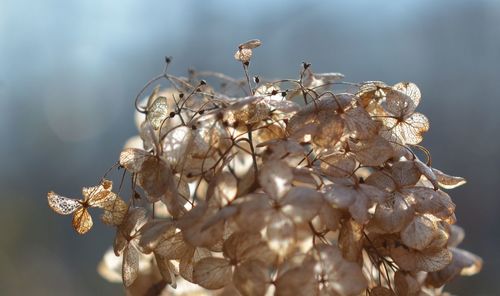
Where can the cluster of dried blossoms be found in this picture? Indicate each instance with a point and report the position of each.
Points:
(292, 187)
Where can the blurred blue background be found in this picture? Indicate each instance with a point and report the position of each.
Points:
(69, 71)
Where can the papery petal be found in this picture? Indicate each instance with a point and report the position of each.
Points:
(130, 266)
(280, 234)
(158, 112)
(275, 177)
(297, 281)
(430, 201)
(62, 205)
(188, 260)
(381, 291)
(392, 216)
(413, 260)
(167, 270)
(463, 263)
(301, 204)
(338, 165)
(339, 195)
(405, 173)
(82, 221)
(419, 233)
(371, 152)
(175, 145)
(344, 277)
(153, 233)
(351, 240)
(252, 278)
(212, 273)
(193, 227)
(447, 181)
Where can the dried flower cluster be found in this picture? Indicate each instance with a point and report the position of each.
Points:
(308, 186)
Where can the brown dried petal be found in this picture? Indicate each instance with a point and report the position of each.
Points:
(359, 209)
(463, 263)
(188, 260)
(359, 123)
(114, 211)
(392, 216)
(240, 243)
(382, 180)
(297, 281)
(175, 145)
(409, 89)
(441, 235)
(372, 192)
(340, 195)
(275, 177)
(153, 233)
(167, 270)
(280, 234)
(329, 77)
(212, 273)
(241, 246)
(119, 243)
(301, 204)
(343, 277)
(176, 195)
(135, 219)
(430, 201)
(253, 43)
(194, 230)
(223, 189)
(254, 214)
(97, 192)
(338, 165)
(155, 178)
(457, 235)
(381, 291)
(351, 240)
(173, 247)
(130, 266)
(371, 152)
(371, 92)
(358, 198)
(158, 112)
(405, 173)
(398, 103)
(447, 181)
(328, 218)
(252, 278)
(419, 233)
(405, 284)
(329, 131)
(244, 55)
(426, 171)
(82, 221)
(62, 205)
(132, 159)
(411, 129)
(281, 147)
(413, 260)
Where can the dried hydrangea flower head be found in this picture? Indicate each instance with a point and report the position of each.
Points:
(308, 186)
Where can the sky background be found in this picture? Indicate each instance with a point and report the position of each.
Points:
(69, 71)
